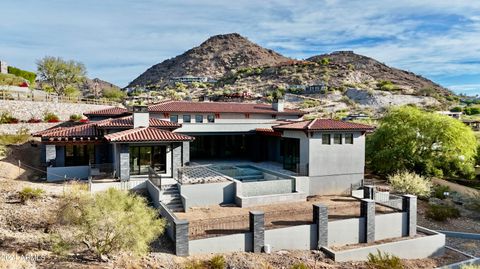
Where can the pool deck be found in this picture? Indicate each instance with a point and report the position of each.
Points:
(273, 166)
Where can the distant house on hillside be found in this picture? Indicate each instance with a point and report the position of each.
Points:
(455, 115)
(191, 79)
(314, 88)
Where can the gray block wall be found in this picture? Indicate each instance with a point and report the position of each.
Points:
(367, 211)
(181, 237)
(176, 158)
(257, 228)
(124, 160)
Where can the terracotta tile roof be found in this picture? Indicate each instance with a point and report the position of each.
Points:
(268, 132)
(324, 124)
(127, 122)
(146, 134)
(87, 130)
(111, 111)
(219, 107)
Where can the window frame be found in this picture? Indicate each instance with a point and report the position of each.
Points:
(350, 135)
(189, 117)
(174, 117)
(210, 118)
(335, 137)
(324, 141)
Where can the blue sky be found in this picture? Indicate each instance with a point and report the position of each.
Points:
(118, 40)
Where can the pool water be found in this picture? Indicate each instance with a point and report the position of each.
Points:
(240, 172)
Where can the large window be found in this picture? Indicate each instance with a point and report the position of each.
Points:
(78, 155)
(143, 157)
(211, 118)
(198, 118)
(348, 138)
(326, 139)
(174, 118)
(337, 139)
(187, 118)
(291, 154)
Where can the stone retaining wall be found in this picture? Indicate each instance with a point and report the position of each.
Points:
(32, 127)
(25, 110)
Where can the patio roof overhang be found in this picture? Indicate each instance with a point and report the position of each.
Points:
(147, 135)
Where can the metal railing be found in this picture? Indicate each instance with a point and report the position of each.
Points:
(154, 177)
(48, 97)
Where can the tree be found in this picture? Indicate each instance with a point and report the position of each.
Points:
(60, 74)
(111, 221)
(426, 143)
(114, 94)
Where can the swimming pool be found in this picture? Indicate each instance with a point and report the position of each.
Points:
(243, 172)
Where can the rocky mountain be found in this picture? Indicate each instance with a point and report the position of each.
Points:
(338, 81)
(94, 87)
(213, 58)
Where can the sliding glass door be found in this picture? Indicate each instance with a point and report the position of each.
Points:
(291, 154)
(143, 157)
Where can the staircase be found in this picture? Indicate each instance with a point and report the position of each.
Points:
(171, 198)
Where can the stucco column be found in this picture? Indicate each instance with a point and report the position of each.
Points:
(124, 160)
(367, 211)
(181, 237)
(409, 205)
(257, 227)
(320, 217)
(176, 159)
(368, 191)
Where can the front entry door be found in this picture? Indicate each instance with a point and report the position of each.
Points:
(143, 157)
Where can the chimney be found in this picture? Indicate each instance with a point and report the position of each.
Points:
(141, 116)
(278, 104)
(3, 67)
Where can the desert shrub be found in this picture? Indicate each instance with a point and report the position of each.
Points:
(410, 183)
(299, 265)
(439, 191)
(217, 262)
(60, 246)
(386, 85)
(75, 117)
(472, 110)
(50, 117)
(442, 212)
(473, 202)
(325, 61)
(29, 193)
(30, 76)
(22, 136)
(10, 80)
(34, 120)
(114, 94)
(111, 221)
(383, 261)
(470, 266)
(309, 103)
(6, 117)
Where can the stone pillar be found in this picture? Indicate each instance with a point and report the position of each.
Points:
(368, 191)
(181, 237)
(367, 211)
(409, 205)
(124, 160)
(320, 217)
(257, 227)
(176, 159)
(186, 153)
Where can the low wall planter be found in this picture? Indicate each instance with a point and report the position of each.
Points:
(432, 244)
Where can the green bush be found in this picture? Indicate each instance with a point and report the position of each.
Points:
(410, 183)
(75, 117)
(29, 193)
(299, 265)
(325, 61)
(383, 261)
(440, 190)
(110, 222)
(456, 109)
(442, 212)
(6, 117)
(472, 110)
(114, 94)
(50, 117)
(474, 202)
(30, 76)
(309, 103)
(386, 85)
(10, 80)
(22, 136)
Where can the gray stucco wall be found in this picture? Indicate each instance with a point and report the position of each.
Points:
(222, 244)
(267, 187)
(70, 172)
(348, 231)
(333, 184)
(208, 194)
(304, 237)
(391, 225)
